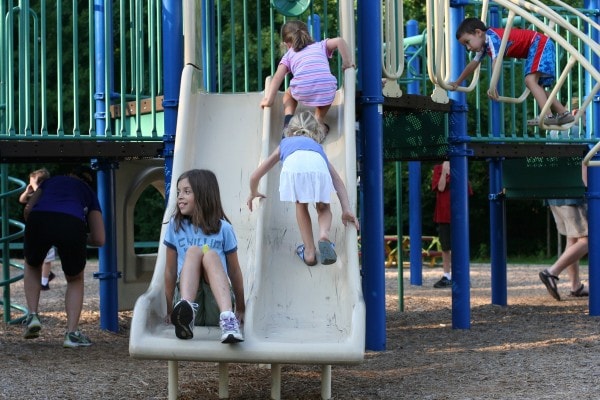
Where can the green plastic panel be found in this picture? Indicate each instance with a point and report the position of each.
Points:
(410, 134)
(543, 177)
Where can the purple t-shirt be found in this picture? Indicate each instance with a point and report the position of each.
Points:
(67, 195)
(291, 144)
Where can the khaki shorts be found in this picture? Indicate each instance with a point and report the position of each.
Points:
(571, 220)
(208, 313)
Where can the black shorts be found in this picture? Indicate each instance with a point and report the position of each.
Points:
(65, 232)
(445, 235)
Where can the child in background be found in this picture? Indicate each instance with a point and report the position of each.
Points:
(306, 177)
(535, 48)
(35, 179)
(202, 261)
(440, 184)
(312, 84)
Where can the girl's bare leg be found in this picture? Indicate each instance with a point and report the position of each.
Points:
(305, 225)
(325, 217)
(289, 103)
(321, 112)
(189, 280)
(214, 274)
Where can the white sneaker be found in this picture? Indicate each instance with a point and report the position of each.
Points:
(230, 328)
(183, 316)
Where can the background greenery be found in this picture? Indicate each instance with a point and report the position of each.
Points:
(530, 232)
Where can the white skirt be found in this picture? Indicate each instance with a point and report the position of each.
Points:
(305, 178)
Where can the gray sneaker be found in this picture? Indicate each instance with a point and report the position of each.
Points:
(34, 326)
(76, 339)
(564, 118)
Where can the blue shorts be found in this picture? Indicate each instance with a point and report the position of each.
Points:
(541, 59)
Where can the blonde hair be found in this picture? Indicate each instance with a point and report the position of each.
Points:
(40, 175)
(305, 124)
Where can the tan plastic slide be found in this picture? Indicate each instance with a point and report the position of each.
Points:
(295, 314)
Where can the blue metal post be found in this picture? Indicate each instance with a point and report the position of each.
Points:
(371, 127)
(314, 22)
(412, 29)
(172, 32)
(415, 227)
(459, 207)
(107, 254)
(496, 198)
(593, 189)
(593, 198)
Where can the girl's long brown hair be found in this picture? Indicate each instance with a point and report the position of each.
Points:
(295, 33)
(208, 210)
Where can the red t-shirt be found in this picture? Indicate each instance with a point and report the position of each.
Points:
(441, 213)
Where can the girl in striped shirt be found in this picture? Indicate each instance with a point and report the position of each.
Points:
(312, 84)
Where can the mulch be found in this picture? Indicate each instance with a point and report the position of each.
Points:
(534, 348)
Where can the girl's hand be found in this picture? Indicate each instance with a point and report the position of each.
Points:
(168, 319)
(347, 64)
(347, 216)
(453, 85)
(265, 102)
(252, 196)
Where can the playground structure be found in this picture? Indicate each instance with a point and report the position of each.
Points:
(502, 142)
(294, 314)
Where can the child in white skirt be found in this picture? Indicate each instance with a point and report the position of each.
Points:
(306, 177)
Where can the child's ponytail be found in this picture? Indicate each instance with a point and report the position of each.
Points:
(295, 33)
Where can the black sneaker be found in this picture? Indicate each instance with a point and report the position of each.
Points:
(183, 317)
(47, 285)
(443, 283)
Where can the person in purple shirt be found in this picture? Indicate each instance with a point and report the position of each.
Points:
(306, 177)
(63, 212)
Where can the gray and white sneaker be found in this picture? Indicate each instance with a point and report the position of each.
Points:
(183, 316)
(230, 328)
(76, 339)
(34, 326)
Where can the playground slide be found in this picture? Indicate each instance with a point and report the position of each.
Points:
(294, 313)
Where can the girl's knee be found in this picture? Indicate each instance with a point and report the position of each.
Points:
(212, 260)
(193, 251)
(322, 207)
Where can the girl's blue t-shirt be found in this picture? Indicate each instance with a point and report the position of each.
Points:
(224, 242)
